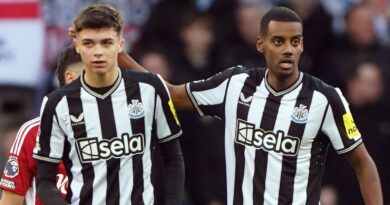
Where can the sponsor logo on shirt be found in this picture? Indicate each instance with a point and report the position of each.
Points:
(300, 114)
(136, 109)
(12, 167)
(79, 120)
(350, 126)
(62, 183)
(279, 142)
(7, 183)
(245, 100)
(91, 149)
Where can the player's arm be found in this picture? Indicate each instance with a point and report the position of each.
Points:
(179, 96)
(11, 198)
(173, 172)
(178, 92)
(367, 174)
(47, 191)
(168, 130)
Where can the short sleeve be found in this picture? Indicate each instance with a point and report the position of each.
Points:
(339, 125)
(207, 96)
(168, 126)
(51, 138)
(20, 168)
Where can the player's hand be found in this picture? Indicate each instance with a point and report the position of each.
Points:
(72, 32)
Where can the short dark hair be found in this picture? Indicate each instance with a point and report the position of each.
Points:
(99, 16)
(282, 14)
(66, 58)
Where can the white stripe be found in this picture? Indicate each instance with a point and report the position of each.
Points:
(17, 139)
(254, 116)
(275, 160)
(77, 181)
(119, 99)
(345, 103)
(31, 193)
(330, 129)
(44, 101)
(57, 131)
(147, 96)
(21, 135)
(233, 93)
(163, 130)
(91, 115)
(317, 109)
(212, 96)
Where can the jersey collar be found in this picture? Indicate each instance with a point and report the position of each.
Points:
(109, 92)
(285, 91)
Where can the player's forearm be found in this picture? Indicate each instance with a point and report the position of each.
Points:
(370, 183)
(173, 172)
(179, 96)
(126, 61)
(10, 198)
(46, 184)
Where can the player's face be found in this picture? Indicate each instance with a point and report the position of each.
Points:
(99, 49)
(282, 47)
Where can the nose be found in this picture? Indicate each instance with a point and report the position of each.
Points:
(288, 49)
(98, 51)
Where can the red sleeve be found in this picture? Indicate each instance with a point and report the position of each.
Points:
(21, 167)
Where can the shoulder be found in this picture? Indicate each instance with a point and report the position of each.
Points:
(26, 136)
(151, 79)
(53, 98)
(329, 91)
(148, 78)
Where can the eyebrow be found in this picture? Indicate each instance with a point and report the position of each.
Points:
(296, 36)
(105, 39)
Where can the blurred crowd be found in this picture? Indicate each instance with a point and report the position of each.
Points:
(346, 44)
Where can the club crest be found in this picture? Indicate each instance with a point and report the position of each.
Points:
(300, 114)
(136, 109)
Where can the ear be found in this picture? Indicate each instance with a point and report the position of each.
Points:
(260, 44)
(76, 45)
(121, 45)
(69, 76)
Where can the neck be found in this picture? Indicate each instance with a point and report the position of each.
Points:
(99, 80)
(282, 82)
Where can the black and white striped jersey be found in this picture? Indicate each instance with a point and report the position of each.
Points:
(106, 141)
(275, 142)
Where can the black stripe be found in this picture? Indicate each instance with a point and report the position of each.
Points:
(338, 109)
(108, 129)
(68, 164)
(267, 123)
(79, 130)
(289, 163)
(248, 90)
(138, 127)
(157, 164)
(48, 114)
(316, 170)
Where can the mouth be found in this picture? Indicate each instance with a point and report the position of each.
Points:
(286, 63)
(98, 63)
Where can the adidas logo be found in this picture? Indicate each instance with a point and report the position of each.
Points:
(77, 120)
(245, 100)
